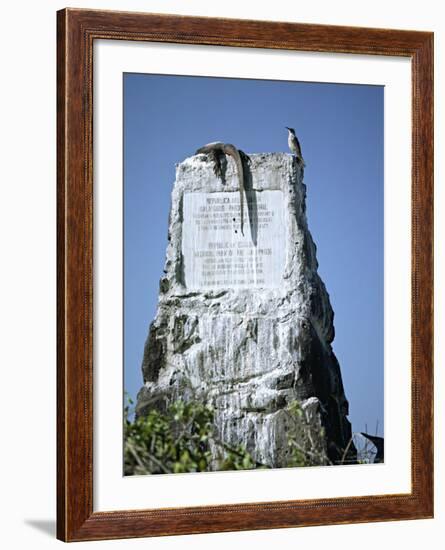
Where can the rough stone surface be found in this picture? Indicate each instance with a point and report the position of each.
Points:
(225, 335)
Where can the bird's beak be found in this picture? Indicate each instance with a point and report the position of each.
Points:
(287, 128)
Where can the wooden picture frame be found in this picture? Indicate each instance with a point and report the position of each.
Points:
(77, 31)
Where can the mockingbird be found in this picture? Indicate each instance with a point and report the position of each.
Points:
(294, 145)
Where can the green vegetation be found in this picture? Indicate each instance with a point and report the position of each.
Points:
(183, 439)
(180, 440)
(175, 442)
(306, 443)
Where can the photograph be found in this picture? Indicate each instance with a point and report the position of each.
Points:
(253, 274)
(244, 274)
(223, 272)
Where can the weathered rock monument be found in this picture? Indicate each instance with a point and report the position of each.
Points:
(244, 322)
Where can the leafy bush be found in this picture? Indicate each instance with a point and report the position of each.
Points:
(176, 442)
(306, 440)
(183, 439)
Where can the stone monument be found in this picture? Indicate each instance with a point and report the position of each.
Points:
(244, 322)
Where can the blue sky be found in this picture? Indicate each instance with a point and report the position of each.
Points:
(340, 128)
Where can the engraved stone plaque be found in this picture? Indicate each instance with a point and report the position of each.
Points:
(215, 252)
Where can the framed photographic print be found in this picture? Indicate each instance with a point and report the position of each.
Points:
(245, 219)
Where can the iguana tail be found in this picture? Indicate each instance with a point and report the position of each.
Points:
(231, 150)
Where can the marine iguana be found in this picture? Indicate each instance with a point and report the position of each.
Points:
(214, 150)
